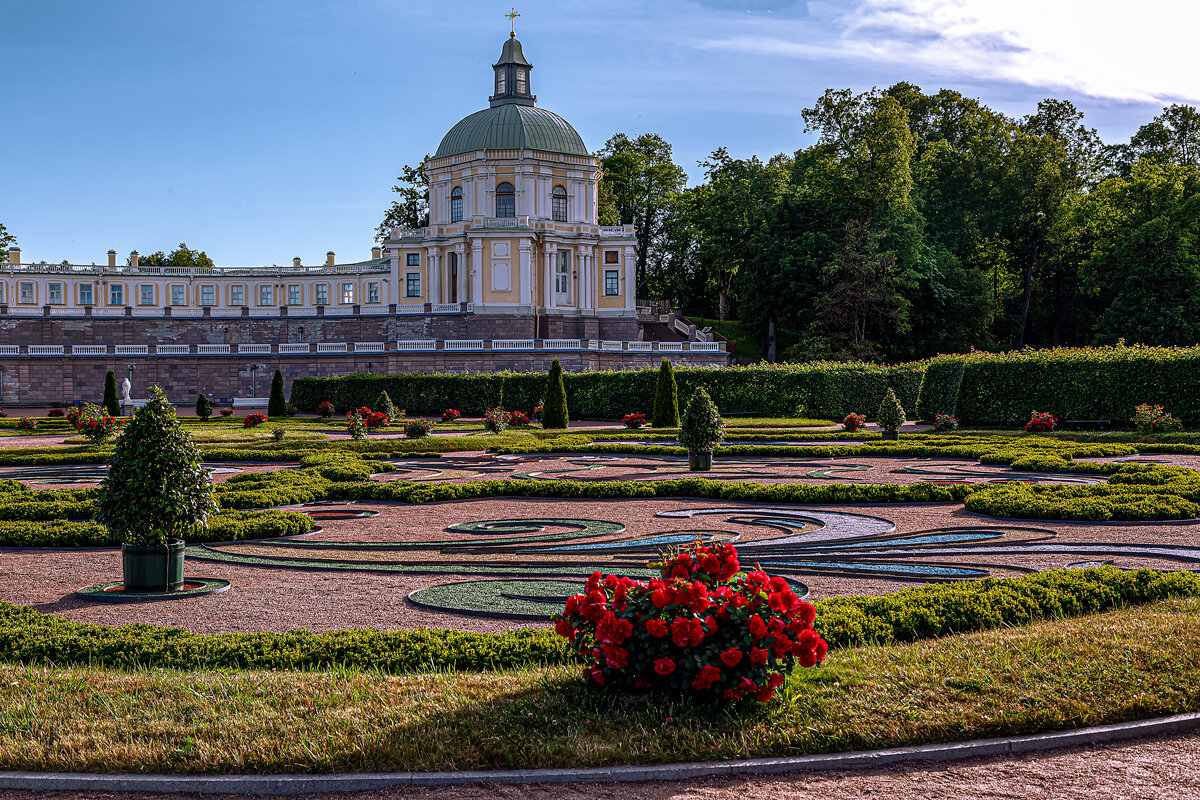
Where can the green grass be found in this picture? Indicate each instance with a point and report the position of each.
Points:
(1126, 664)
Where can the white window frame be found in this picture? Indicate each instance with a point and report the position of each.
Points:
(116, 295)
(91, 290)
(266, 295)
(182, 294)
(24, 297)
(208, 294)
(409, 279)
(236, 289)
(54, 293)
(321, 294)
(346, 293)
(142, 287)
(295, 297)
(616, 273)
(373, 292)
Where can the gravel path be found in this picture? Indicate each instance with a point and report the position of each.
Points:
(1152, 769)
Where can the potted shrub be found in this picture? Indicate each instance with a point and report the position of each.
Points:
(890, 416)
(701, 430)
(325, 409)
(156, 493)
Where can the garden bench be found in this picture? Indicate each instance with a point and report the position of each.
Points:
(250, 402)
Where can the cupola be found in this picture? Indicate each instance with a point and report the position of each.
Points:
(512, 76)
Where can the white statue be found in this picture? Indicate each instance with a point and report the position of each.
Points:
(126, 388)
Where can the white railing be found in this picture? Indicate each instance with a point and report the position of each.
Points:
(108, 312)
(609, 344)
(302, 311)
(415, 345)
(512, 344)
(504, 222)
(132, 350)
(683, 327)
(640, 347)
(462, 344)
(25, 311)
(612, 230)
(226, 313)
(147, 312)
(339, 311)
(706, 347)
(212, 349)
(593, 344)
(172, 350)
(370, 347)
(559, 344)
(264, 312)
(62, 311)
(670, 347)
(331, 347)
(254, 349)
(89, 349)
(373, 310)
(45, 349)
(446, 308)
(411, 308)
(189, 313)
(294, 348)
(408, 233)
(10, 349)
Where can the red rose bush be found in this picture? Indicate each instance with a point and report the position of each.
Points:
(1041, 422)
(704, 627)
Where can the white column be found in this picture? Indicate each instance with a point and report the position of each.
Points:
(585, 280)
(630, 279)
(477, 272)
(462, 272)
(431, 260)
(527, 275)
(549, 278)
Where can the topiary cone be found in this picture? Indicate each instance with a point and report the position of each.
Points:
(891, 413)
(666, 398)
(277, 405)
(112, 406)
(554, 409)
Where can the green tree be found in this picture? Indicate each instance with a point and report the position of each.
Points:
(666, 398)
(156, 488)
(638, 182)
(277, 403)
(702, 428)
(1173, 137)
(112, 405)
(891, 414)
(554, 409)
(412, 209)
(7, 240)
(182, 256)
(384, 403)
(204, 407)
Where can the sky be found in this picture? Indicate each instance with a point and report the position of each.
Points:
(260, 130)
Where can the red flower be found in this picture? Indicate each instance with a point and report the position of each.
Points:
(775, 679)
(564, 629)
(764, 694)
(616, 657)
(680, 632)
(758, 656)
(660, 597)
(595, 674)
(657, 628)
(758, 628)
(664, 666)
(707, 677)
(574, 603)
(731, 657)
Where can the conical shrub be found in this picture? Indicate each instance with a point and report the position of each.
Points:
(203, 406)
(891, 413)
(112, 405)
(554, 409)
(277, 405)
(666, 398)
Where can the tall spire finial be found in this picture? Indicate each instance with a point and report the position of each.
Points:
(512, 18)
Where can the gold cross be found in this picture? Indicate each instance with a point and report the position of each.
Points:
(512, 18)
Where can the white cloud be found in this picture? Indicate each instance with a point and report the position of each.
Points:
(1106, 49)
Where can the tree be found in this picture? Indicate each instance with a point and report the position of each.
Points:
(182, 256)
(112, 405)
(1172, 138)
(891, 414)
(702, 428)
(7, 240)
(666, 398)
(639, 180)
(156, 488)
(384, 403)
(277, 404)
(554, 408)
(204, 407)
(412, 209)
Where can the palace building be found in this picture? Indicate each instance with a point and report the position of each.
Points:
(512, 271)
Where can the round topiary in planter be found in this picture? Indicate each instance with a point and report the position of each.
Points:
(890, 416)
(155, 493)
(701, 430)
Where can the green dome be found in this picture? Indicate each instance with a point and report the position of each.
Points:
(512, 126)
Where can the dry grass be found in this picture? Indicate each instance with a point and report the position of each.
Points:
(1133, 663)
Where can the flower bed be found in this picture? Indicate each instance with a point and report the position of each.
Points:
(27, 424)
(1041, 422)
(449, 415)
(417, 428)
(1153, 419)
(518, 419)
(254, 420)
(496, 420)
(854, 421)
(945, 422)
(55, 412)
(704, 627)
(325, 409)
(226, 412)
(634, 421)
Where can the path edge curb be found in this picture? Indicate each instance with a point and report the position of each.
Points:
(862, 759)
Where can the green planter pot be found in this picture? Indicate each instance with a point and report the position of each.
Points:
(154, 567)
(700, 460)
(890, 436)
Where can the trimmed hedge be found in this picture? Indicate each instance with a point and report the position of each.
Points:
(227, 526)
(822, 389)
(29, 637)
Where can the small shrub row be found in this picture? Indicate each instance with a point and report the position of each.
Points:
(227, 526)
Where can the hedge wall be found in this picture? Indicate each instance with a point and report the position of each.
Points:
(818, 389)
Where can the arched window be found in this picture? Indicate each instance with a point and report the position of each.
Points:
(506, 200)
(558, 202)
(456, 204)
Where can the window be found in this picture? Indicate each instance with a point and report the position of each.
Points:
(266, 294)
(321, 294)
(413, 284)
(612, 282)
(146, 294)
(25, 293)
(506, 200)
(54, 294)
(237, 295)
(562, 276)
(373, 292)
(456, 204)
(178, 295)
(521, 81)
(294, 294)
(612, 256)
(116, 294)
(414, 259)
(3, 293)
(86, 294)
(501, 74)
(208, 295)
(558, 202)
(347, 294)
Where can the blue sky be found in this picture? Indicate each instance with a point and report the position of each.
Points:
(260, 130)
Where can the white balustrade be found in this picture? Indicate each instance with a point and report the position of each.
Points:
(446, 308)
(463, 344)
(411, 308)
(10, 349)
(705, 347)
(512, 344)
(108, 312)
(609, 344)
(254, 349)
(370, 347)
(132, 350)
(63, 311)
(45, 349)
(226, 313)
(295, 348)
(593, 344)
(640, 347)
(683, 327)
(172, 350)
(339, 311)
(560, 344)
(89, 350)
(212, 349)
(375, 310)
(187, 313)
(147, 312)
(612, 230)
(264, 313)
(25, 311)
(670, 347)
(416, 345)
(331, 347)
(302, 311)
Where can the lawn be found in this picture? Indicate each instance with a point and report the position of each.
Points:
(1133, 663)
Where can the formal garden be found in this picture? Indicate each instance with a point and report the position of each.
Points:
(447, 572)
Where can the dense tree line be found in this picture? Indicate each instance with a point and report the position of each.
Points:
(926, 223)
